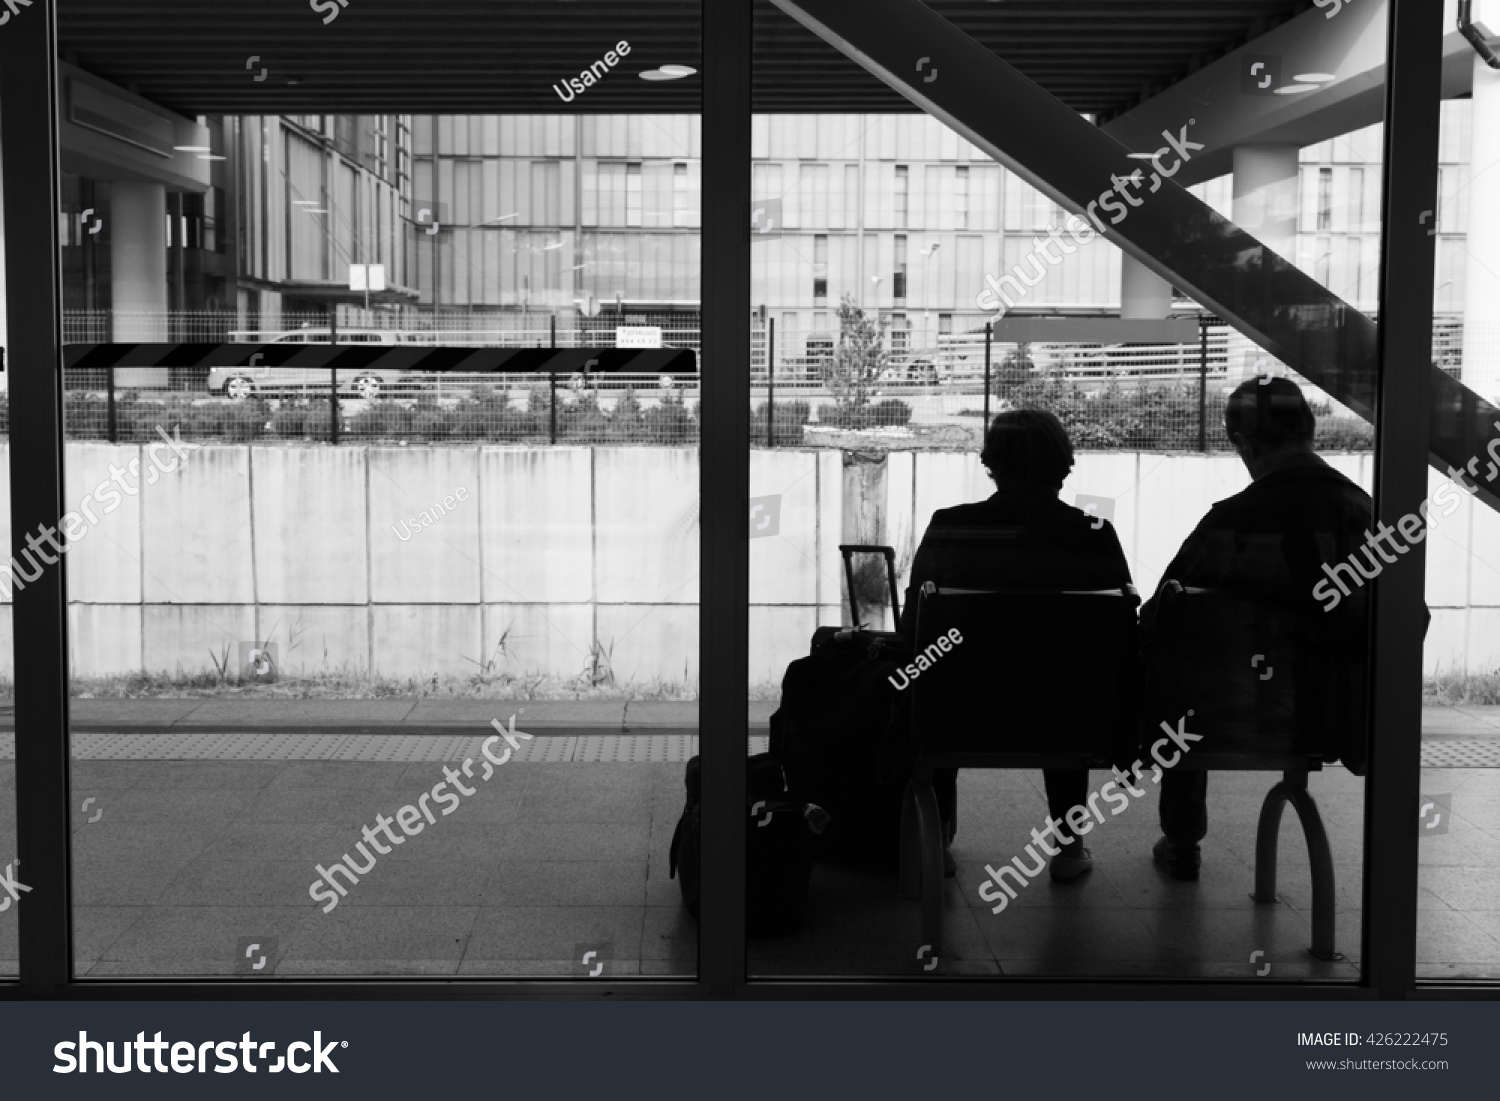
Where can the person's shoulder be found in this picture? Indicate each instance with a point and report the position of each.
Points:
(961, 515)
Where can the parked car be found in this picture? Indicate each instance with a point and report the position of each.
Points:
(916, 369)
(365, 382)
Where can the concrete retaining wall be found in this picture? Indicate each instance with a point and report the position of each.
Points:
(553, 550)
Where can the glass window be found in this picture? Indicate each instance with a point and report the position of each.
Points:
(1159, 884)
(357, 545)
(1458, 820)
(820, 265)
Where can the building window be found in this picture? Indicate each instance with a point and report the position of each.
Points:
(633, 194)
(820, 266)
(900, 335)
(903, 188)
(961, 198)
(898, 285)
(687, 184)
(1321, 266)
(1357, 199)
(1325, 199)
(945, 322)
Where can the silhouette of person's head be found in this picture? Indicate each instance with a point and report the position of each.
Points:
(1027, 447)
(1267, 421)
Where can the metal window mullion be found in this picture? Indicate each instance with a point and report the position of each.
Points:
(724, 449)
(1403, 410)
(32, 197)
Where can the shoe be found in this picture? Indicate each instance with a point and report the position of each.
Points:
(1181, 859)
(950, 866)
(1073, 861)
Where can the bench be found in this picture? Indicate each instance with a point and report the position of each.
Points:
(1072, 658)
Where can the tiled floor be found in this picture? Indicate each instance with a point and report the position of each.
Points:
(193, 861)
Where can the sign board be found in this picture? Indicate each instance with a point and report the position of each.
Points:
(637, 336)
(367, 277)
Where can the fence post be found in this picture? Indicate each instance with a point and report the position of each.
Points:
(553, 319)
(771, 382)
(552, 406)
(109, 397)
(333, 380)
(988, 332)
(1202, 385)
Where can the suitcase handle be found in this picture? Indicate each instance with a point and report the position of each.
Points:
(849, 550)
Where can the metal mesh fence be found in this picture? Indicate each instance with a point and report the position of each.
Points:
(490, 408)
(1126, 397)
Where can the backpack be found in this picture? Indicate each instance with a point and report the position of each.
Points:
(778, 847)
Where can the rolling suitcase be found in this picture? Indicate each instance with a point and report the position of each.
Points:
(838, 706)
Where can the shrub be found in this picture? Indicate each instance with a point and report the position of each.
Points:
(433, 424)
(304, 420)
(670, 422)
(234, 421)
(1343, 434)
(790, 417)
(892, 411)
(383, 419)
(539, 399)
(583, 419)
(625, 422)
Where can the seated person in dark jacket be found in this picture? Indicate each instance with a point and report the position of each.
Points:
(1021, 537)
(1287, 538)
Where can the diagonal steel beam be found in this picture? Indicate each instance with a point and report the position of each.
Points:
(958, 81)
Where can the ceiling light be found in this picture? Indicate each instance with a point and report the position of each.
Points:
(305, 202)
(192, 149)
(211, 157)
(668, 72)
(1314, 78)
(1141, 156)
(1293, 89)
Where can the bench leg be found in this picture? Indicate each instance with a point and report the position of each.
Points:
(922, 857)
(931, 829)
(1293, 789)
(910, 885)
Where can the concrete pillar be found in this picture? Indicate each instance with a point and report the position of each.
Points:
(1266, 195)
(1482, 287)
(138, 259)
(1143, 293)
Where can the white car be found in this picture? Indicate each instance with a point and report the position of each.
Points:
(368, 383)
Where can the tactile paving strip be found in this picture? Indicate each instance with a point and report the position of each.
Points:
(395, 748)
(1466, 753)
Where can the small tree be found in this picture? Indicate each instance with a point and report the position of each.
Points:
(1015, 369)
(857, 361)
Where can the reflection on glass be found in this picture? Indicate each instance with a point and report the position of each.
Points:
(353, 647)
(1164, 319)
(1458, 916)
